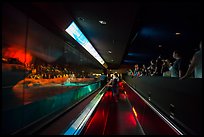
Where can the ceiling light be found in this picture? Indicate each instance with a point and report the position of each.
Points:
(177, 33)
(76, 33)
(160, 46)
(109, 51)
(102, 22)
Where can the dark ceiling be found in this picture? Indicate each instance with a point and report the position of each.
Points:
(136, 32)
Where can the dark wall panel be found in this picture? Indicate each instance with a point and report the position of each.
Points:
(184, 95)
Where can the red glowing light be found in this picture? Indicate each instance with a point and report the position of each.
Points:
(132, 119)
(120, 84)
(18, 53)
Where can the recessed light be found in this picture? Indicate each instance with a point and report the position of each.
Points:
(109, 51)
(102, 22)
(112, 60)
(160, 46)
(177, 33)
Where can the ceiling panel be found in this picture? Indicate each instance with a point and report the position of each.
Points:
(145, 29)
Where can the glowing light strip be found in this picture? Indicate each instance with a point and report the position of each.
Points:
(133, 109)
(76, 33)
(135, 113)
(80, 122)
(155, 110)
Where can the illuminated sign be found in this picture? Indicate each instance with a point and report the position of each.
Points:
(76, 33)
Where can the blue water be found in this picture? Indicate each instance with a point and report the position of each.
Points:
(74, 84)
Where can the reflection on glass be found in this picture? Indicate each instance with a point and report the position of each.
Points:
(34, 82)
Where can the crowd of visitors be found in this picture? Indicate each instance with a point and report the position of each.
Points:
(181, 67)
